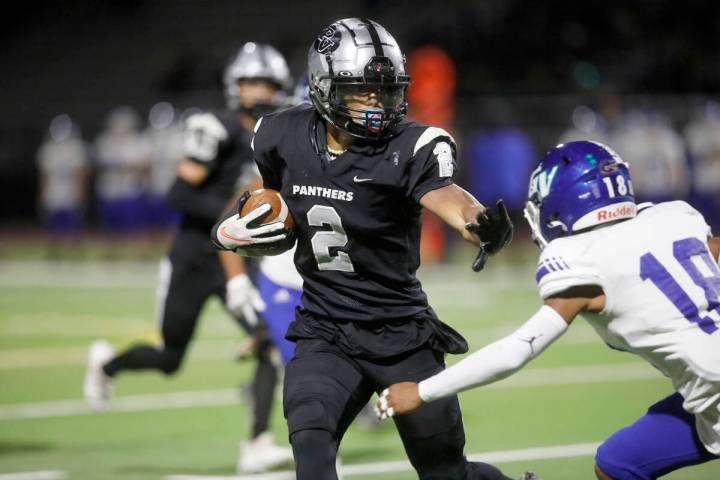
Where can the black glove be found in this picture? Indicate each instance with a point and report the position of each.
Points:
(495, 228)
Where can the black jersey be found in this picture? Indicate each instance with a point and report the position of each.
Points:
(357, 216)
(221, 144)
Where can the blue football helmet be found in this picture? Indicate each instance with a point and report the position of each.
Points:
(578, 186)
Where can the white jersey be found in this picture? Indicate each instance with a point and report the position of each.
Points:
(662, 289)
(62, 165)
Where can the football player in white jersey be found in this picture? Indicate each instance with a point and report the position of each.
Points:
(655, 293)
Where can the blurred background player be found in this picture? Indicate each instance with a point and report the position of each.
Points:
(645, 277)
(164, 135)
(64, 168)
(703, 140)
(122, 155)
(216, 153)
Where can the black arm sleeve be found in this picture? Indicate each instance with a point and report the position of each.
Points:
(185, 197)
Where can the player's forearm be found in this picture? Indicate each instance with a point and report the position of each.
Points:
(232, 264)
(497, 360)
(456, 207)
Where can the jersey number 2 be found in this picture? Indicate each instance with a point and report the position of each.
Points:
(323, 241)
(684, 250)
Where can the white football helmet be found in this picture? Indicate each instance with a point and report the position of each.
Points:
(257, 61)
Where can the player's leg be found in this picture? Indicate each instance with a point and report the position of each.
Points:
(182, 291)
(663, 440)
(323, 391)
(179, 302)
(279, 313)
(260, 453)
(433, 435)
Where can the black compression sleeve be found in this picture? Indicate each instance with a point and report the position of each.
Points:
(185, 197)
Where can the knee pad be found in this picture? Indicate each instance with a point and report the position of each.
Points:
(307, 414)
(171, 360)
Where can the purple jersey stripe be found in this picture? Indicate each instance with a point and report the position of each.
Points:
(541, 272)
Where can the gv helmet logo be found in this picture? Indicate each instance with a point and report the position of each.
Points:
(541, 182)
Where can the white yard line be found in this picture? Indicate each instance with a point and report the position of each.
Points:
(584, 374)
(143, 274)
(38, 475)
(501, 456)
(205, 349)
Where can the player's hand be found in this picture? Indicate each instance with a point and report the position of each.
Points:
(233, 233)
(493, 227)
(243, 299)
(398, 399)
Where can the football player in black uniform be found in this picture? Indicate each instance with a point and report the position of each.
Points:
(355, 176)
(217, 150)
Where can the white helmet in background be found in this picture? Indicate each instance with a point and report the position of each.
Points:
(256, 61)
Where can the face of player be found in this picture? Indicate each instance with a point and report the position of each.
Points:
(253, 92)
(365, 98)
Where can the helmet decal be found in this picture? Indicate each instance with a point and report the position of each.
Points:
(328, 41)
(541, 181)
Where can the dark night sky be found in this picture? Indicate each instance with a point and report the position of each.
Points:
(84, 58)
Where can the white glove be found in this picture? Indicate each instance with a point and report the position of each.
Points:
(233, 232)
(242, 298)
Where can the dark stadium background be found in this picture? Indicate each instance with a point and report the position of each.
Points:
(527, 63)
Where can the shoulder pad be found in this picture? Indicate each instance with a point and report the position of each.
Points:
(430, 134)
(255, 130)
(207, 123)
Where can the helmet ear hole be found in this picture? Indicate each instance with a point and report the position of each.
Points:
(566, 160)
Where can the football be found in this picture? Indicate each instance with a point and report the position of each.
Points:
(279, 212)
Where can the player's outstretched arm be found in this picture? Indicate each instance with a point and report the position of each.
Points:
(491, 229)
(456, 207)
(495, 361)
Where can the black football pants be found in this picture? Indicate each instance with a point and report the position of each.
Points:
(325, 389)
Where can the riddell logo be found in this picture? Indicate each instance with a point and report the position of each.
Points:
(621, 212)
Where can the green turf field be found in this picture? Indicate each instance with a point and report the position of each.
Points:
(574, 396)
